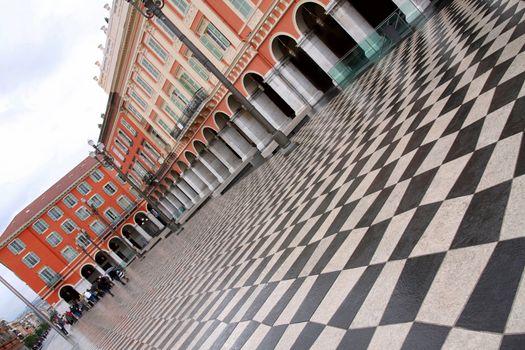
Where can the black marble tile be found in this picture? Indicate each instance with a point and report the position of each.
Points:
(308, 336)
(381, 178)
(259, 301)
(333, 247)
(356, 339)
(516, 121)
(416, 190)
(483, 218)
(414, 230)
(520, 164)
(425, 336)
(470, 176)
(349, 308)
(411, 288)
(455, 99)
(495, 76)
(366, 248)
(315, 295)
(276, 311)
(459, 118)
(204, 336)
(513, 342)
(465, 141)
(417, 138)
(507, 92)
(416, 161)
(490, 303)
(370, 215)
(301, 261)
(285, 254)
(245, 335)
(272, 338)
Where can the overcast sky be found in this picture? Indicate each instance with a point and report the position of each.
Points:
(49, 103)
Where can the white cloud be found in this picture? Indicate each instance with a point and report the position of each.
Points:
(49, 104)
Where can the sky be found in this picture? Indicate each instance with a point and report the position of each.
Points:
(49, 103)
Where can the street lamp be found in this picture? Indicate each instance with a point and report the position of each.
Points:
(99, 153)
(153, 8)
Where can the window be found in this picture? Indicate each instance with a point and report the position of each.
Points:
(168, 31)
(69, 254)
(124, 202)
(134, 112)
(164, 125)
(70, 200)
(97, 175)
(144, 85)
(97, 227)
(135, 193)
(84, 188)
(179, 99)
(54, 239)
(138, 99)
(134, 180)
(144, 157)
(96, 200)
(151, 68)
(151, 151)
(243, 6)
(55, 213)
(125, 137)
(188, 83)
(82, 213)
(139, 169)
(111, 214)
(171, 112)
(110, 188)
(121, 179)
(68, 226)
(49, 276)
(159, 50)
(197, 67)
(16, 246)
(40, 226)
(82, 241)
(181, 5)
(128, 127)
(213, 39)
(121, 146)
(31, 260)
(117, 153)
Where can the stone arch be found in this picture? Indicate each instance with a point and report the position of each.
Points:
(135, 238)
(104, 260)
(255, 84)
(146, 224)
(119, 247)
(190, 157)
(182, 165)
(69, 294)
(90, 273)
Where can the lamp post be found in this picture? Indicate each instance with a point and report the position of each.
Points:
(153, 8)
(106, 160)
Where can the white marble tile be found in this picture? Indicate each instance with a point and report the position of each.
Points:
(389, 337)
(336, 295)
(463, 339)
(373, 307)
(329, 338)
(272, 300)
(514, 219)
(257, 337)
(493, 126)
(437, 154)
(453, 284)
(516, 320)
(296, 301)
(289, 336)
(391, 237)
(343, 254)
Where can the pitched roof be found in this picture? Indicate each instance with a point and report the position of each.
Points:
(49, 196)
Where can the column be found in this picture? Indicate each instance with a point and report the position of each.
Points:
(205, 175)
(252, 128)
(224, 154)
(285, 90)
(129, 244)
(356, 26)
(188, 190)
(178, 205)
(143, 232)
(219, 170)
(237, 142)
(195, 182)
(290, 72)
(318, 51)
(169, 207)
(185, 200)
(164, 210)
(117, 259)
(154, 220)
(270, 110)
(99, 269)
(412, 9)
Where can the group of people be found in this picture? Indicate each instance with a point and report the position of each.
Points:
(100, 287)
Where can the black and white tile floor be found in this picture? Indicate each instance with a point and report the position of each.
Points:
(399, 222)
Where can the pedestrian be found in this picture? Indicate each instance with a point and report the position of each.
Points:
(116, 276)
(86, 303)
(59, 322)
(104, 284)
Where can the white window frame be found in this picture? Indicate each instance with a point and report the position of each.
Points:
(85, 213)
(94, 177)
(71, 197)
(55, 235)
(68, 221)
(56, 210)
(109, 210)
(40, 221)
(16, 250)
(125, 199)
(95, 223)
(44, 278)
(84, 183)
(110, 184)
(29, 264)
(71, 258)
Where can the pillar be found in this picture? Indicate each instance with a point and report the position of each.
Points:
(205, 175)
(318, 51)
(154, 220)
(195, 182)
(214, 165)
(117, 259)
(164, 210)
(187, 190)
(129, 244)
(412, 9)
(356, 26)
(284, 89)
(290, 72)
(169, 207)
(143, 232)
(178, 205)
(184, 199)
(224, 154)
(270, 110)
(237, 142)
(99, 269)
(252, 128)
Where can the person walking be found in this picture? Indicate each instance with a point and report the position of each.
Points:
(116, 276)
(104, 284)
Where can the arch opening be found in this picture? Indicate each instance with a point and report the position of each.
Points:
(255, 84)
(135, 238)
(146, 224)
(69, 294)
(104, 260)
(90, 273)
(120, 248)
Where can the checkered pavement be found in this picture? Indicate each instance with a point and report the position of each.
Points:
(397, 223)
